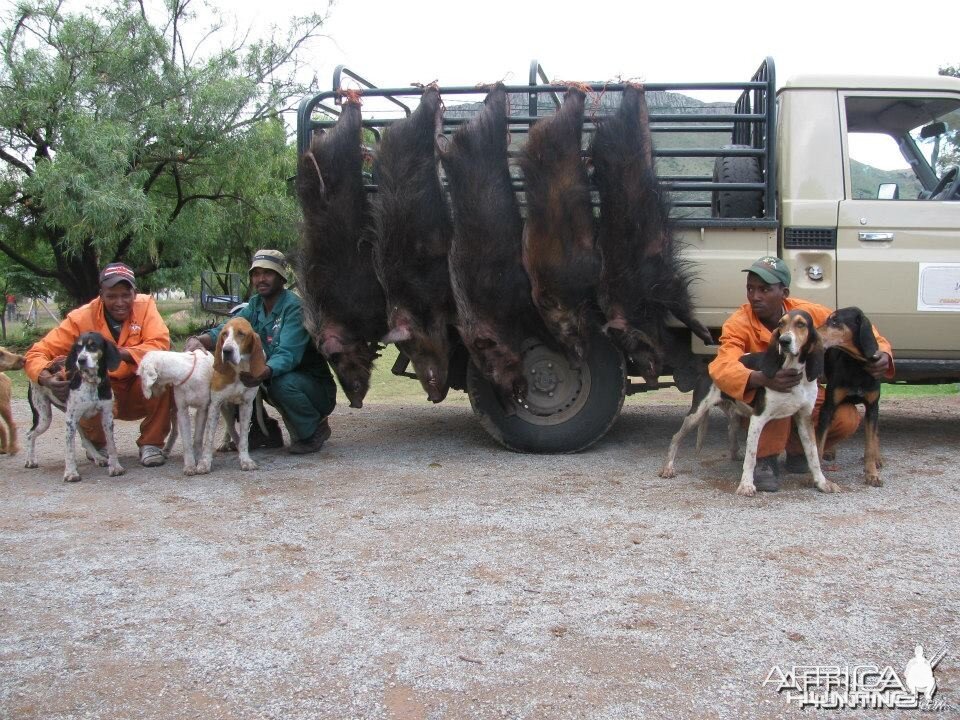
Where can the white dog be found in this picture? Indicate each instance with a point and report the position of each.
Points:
(189, 373)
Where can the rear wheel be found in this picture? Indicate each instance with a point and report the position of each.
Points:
(737, 203)
(568, 406)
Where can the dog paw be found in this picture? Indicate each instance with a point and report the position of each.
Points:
(248, 464)
(203, 467)
(98, 459)
(71, 477)
(116, 470)
(746, 489)
(829, 487)
(668, 472)
(14, 450)
(189, 469)
(31, 464)
(873, 479)
(227, 446)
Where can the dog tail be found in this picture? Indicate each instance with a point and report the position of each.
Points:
(702, 431)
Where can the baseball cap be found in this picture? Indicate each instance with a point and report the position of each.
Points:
(115, 273)
(771, 269)
(270, 260)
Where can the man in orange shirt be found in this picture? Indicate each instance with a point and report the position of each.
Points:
(133, 322)
(749, 330)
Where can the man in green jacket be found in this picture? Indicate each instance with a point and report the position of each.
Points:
(297, 379)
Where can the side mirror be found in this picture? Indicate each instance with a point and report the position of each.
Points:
(888, 191)
(933, 130)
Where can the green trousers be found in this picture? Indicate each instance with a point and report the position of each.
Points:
(303, 400)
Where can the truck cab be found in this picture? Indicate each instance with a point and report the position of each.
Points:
(887, 242)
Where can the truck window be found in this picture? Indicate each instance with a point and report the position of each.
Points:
(900, 147)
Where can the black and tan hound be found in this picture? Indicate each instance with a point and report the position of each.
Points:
(849, 344)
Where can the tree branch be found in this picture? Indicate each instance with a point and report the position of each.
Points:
(16, 162)
(28, 264)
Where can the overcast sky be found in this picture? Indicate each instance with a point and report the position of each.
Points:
(397, 42)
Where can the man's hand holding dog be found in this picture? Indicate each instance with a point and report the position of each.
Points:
(783, 381)
(60, 387)
(250, 380)
(879, 366)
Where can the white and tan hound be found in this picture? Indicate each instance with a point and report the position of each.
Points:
(8, 436)
(238, 350)
(90, 358)
(793, 345)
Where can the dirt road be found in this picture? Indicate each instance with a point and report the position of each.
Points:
(414, 570)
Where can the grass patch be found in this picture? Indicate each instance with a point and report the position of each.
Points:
(897, 390)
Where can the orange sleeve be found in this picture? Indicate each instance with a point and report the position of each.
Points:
(726, 370)
(54, 344)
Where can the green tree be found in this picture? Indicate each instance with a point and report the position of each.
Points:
(120, 141)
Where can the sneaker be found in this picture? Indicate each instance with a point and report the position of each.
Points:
(766, 475)
(796, 464)
(151, 456)
(313, 443)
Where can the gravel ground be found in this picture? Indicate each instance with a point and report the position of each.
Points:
(413, 569)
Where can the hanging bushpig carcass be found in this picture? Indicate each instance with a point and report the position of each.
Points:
(559, 251)
(643, 280)
(342, 300)
(495, 312)
(412, 230)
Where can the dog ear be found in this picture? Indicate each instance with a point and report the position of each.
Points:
(813, 362)
(771, 360)
(111, 355)
(71, 366)
(867, 340)
(258, 361)
(218, 352)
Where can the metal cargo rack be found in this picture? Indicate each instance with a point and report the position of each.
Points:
(749, 123)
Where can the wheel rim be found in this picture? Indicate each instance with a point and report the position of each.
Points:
(556, 388)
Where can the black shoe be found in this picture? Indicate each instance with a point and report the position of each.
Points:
(766, 475)
(313, 443)
(273, 439)
(796, 464)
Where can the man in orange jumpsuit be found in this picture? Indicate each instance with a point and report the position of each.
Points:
(133, 322)
(749, 330)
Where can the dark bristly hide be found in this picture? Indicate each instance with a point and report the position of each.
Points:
(559, 251)
(412, 231)
(492, 292)
(643, 280)
(343, 303)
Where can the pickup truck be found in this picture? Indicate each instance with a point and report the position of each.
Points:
(852, 180)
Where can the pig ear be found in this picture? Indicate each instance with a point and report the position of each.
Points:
(397, 334)
(331, 346)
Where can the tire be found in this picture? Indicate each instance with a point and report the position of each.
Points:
(567, 411)
(737, 203)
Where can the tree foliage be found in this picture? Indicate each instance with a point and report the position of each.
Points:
(122, 141)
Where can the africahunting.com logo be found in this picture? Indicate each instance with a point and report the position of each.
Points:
(836, 687)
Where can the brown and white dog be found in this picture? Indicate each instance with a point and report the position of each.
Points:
(849, 343)
(8, 361)
(794, 344)
(238, 350)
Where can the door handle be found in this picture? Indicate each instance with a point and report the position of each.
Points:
(875, 236)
